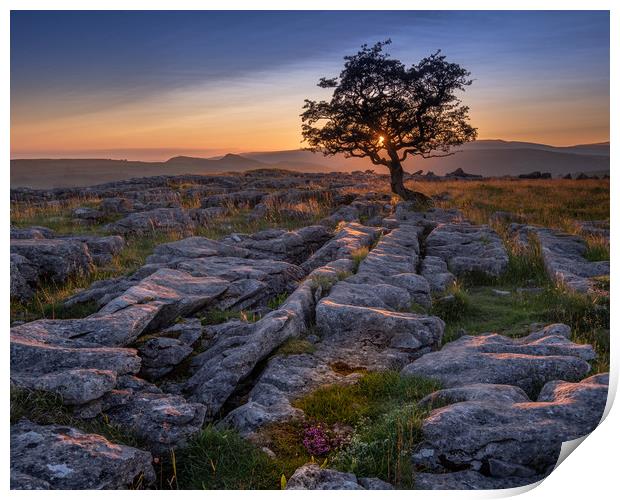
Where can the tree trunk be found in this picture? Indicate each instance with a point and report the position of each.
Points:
(396, 183)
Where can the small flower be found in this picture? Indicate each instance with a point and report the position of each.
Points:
(316, 441)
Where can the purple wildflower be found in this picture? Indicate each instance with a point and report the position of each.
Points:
(316, 441)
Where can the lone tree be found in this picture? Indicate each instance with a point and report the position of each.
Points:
(384, 111)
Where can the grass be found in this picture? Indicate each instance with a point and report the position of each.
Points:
(597, 248)
(381, 408)
(217, 316)
(277, 301)
(382, 448)
(358, 255)
(221, 459)
(372, 395)
(373, 423)
(477, 308)
(552, 203)
(295, 346)
(323, 282)
(56, 215)
(454, 305)
(512, 315)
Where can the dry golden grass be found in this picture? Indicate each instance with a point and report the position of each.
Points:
(553, 203)
(55, 215)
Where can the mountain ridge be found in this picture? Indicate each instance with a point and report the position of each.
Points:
(489, 157)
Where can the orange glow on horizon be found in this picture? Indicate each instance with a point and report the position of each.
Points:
(262, 115)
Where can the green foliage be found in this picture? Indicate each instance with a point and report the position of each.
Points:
(370, 396)
(417, 309)
(277, 301)
(295, 346)
(217, 316)
(343, 275)
(358, 255)
(221, 459)
(455, 304)
(380, 407)
(323, 282)
(525, 266)
(381, 447)
(38, 406)
(285, 439)
(588, 316)
(597, 249)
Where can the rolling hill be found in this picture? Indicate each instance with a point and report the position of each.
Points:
(485, 157)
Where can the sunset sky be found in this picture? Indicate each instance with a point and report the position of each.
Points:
(150, 85)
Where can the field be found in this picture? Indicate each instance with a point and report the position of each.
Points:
(373, 410)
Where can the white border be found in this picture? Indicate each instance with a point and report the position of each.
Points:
(590, 472)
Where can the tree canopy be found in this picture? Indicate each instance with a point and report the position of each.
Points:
(382, 110)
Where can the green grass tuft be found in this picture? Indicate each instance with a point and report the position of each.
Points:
(295, 346)
(381, 447)
(358, 255)
(369, 397)
(323, 283)
(217, 316)
(221, 460)
(277, 301)
(597, 249)
(454, 305)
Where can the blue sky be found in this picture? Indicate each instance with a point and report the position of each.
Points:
(225, 80)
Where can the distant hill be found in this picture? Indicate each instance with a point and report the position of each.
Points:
(229, 161)
(484, 157)
(49, 173)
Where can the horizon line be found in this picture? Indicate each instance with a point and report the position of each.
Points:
(219, 152)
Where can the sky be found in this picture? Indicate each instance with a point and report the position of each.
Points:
(153, 84)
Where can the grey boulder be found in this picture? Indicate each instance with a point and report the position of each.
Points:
(351, 237)
(161, 421)
(468, 248)
(59, 457)
(527, 362)
(55, 259)
(313, 477)
(469, 480)
(158, 219)
(79, 371)
(161, 355)
(505, 439)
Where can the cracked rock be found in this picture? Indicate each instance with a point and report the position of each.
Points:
(527, 362)
(60, 457)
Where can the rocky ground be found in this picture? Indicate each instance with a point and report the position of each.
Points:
(259, 337)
